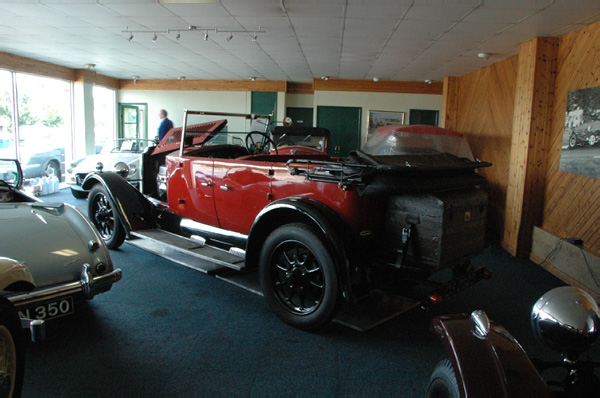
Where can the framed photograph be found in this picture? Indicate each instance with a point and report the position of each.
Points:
(581, 135)
(384, 118)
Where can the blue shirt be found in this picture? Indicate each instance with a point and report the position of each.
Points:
(164, 127)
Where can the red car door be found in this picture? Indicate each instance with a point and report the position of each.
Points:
(191, 190)
(242, 189)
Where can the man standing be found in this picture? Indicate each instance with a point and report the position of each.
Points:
(165, 124)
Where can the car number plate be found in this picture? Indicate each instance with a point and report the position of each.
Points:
(49, 310)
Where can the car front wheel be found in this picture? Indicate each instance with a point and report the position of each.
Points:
(298, 277)
(11, 350)
(104, 216)
(442, 383)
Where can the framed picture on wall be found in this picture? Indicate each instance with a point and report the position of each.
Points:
(383, 118)
(424, 116)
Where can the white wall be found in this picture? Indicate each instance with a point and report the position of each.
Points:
(174, 102)
(239, 102)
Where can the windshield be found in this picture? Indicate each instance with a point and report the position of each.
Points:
(411, 143)
(127, 145)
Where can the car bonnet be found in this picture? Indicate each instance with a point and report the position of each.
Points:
(50, 239)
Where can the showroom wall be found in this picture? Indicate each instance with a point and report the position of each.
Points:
(395, 102)
(483, 111)
(487, 106)
(239, 101)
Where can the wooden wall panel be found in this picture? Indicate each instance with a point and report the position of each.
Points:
(16, 63)
(571, 201)
(204, 85)
(480, 105)
(383, 86)
(531, 128)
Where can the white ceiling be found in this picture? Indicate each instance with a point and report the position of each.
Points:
(303, 39)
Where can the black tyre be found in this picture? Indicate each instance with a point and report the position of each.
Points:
(442, 383)
(298, 277)
(79, 194)
(572, 141)
(52, 168)
(12, 345)
(104, 216)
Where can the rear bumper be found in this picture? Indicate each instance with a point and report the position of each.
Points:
(87, 286)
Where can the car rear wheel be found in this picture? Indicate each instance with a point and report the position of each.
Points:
(79, 194)
(298, 277)
(11, 350)
(572, 141)
(442, 383)
(51, 169)
(104, 216)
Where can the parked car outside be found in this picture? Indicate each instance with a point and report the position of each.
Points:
(38, 161)
(62, 250)
(321, 231)
(128, 151)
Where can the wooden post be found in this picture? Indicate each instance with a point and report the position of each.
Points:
(450, 104)
(534, 98)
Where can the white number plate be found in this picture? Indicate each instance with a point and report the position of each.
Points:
(49, 310)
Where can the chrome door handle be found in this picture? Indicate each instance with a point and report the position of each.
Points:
(206, 184)
(225, 187)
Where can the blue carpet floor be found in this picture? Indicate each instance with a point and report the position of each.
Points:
(167, 330)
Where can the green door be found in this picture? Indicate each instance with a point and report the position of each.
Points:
(133, 121)
(264, 103)
(300, 116)
(344, 124)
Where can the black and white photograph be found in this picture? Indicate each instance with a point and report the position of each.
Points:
(581, 138)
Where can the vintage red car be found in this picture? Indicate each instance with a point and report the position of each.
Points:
(319, 230)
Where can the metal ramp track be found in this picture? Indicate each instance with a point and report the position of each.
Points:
(370, 312)
(186, 252)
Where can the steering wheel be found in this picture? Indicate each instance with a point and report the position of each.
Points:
(262, 146)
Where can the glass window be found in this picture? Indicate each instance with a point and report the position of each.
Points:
(44, 109)
(7, 140)
(104, 116)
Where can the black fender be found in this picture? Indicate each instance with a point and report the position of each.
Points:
(309, 211)
(135, 211)
(487, 360)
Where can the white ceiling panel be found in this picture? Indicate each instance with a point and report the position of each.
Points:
(396, 39)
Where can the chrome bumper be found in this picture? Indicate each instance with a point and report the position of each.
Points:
(88, 285)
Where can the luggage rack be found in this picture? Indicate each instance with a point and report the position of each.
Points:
(345, 175)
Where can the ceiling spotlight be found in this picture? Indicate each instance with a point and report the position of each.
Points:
(181, 78)
(205, 36)
(130, 37)
(252, 78)
(135, 79)
(428, 81)
(483, 55)
(375, 79)
(154, 38)
(325, 78)
(90, 66)
(254, 37)
(229, 37)
(178, 36)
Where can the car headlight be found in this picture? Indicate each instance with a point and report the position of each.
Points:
(121, 169)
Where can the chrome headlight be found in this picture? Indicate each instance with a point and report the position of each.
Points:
(121, 169)
(566, 319)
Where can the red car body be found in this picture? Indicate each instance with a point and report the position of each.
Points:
(318, 228)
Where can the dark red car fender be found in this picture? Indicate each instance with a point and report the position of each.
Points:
(487, 366)
(309, 211)
(134, 210)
